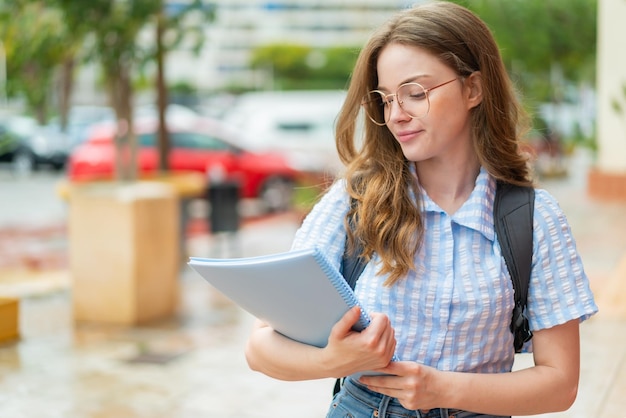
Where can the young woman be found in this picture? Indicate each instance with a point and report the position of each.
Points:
(442, 125)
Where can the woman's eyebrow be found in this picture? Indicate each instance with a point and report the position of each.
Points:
(411, 79)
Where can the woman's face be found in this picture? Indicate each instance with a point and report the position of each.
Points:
(444, 132)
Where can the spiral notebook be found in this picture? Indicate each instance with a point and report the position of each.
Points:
(298, 293)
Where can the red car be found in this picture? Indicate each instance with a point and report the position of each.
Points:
(198, 144)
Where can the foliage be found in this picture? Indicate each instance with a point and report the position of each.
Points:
(42, 37)
(548, 47)
(35, 42)
(537, 37)
(113, 29)
(303, 67)
(185, 25)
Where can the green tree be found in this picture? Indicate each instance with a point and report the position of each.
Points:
(172, 29)
(543, 41)
(115, 27)
(304, 67)
(77, 22)
(111, 29)
(35, 40)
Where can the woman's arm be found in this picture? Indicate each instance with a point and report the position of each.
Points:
(550, 385)
(347, 351)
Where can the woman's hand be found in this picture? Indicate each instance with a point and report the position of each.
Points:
(350, 351)
(413, 384)
(548, 386)
(346, 352)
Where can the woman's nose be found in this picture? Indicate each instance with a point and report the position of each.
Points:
(396, 112)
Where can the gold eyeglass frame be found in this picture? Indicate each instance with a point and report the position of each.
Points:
(385, 99)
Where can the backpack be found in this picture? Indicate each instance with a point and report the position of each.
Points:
(513, 221)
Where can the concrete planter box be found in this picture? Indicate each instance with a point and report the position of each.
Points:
(188, 185)
(124, 251)
(9, 319)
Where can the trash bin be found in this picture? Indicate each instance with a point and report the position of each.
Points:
(223, 199)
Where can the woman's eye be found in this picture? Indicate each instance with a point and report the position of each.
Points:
(417, 95)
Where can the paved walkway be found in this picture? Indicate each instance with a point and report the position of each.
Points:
(193, 366)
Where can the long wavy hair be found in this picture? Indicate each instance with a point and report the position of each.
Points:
(385, 214)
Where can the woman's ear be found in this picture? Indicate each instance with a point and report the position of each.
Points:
(474, 88)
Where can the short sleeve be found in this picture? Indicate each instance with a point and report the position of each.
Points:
(323, 226)
(559, 290)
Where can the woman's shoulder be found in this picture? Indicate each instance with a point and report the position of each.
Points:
(549, 217)
(334, 194)
(333, 201)
(323, 226)
(546, 204)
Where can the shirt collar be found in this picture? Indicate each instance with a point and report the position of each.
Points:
(477, 212)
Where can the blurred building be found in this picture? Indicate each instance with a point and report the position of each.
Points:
(242, 25)
(607, 180)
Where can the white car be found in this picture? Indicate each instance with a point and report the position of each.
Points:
(301, 124)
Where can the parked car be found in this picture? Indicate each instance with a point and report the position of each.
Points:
(299, 124)
(80, 118)
(199, 144)
(28, 146)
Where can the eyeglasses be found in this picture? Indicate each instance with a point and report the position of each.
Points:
(411, 97)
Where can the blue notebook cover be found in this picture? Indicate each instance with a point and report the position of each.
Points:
(298, 293)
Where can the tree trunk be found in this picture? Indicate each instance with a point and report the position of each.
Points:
(67, 88)
(125, 141)
(162, 99)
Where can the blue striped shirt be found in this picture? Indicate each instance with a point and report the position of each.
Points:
(453, 312)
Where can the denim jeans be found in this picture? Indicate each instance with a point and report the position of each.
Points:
(356, 401)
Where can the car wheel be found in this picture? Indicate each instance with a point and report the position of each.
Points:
(277, 194)
(23, 163)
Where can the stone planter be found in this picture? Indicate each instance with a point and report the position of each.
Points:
(124, 252)
(187, 186)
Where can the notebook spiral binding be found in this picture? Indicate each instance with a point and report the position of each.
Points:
(342, 287)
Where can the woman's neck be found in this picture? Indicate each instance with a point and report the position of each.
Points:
(448, 185)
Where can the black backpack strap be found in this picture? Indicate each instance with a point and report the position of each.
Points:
(513, 220)
(337, 387)
(352, 265)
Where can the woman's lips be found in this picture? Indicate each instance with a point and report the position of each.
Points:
(405, 136)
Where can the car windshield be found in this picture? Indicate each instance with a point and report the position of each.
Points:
(191, 140)
(22, 126)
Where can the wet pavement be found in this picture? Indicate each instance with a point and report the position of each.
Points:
(192, 365)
